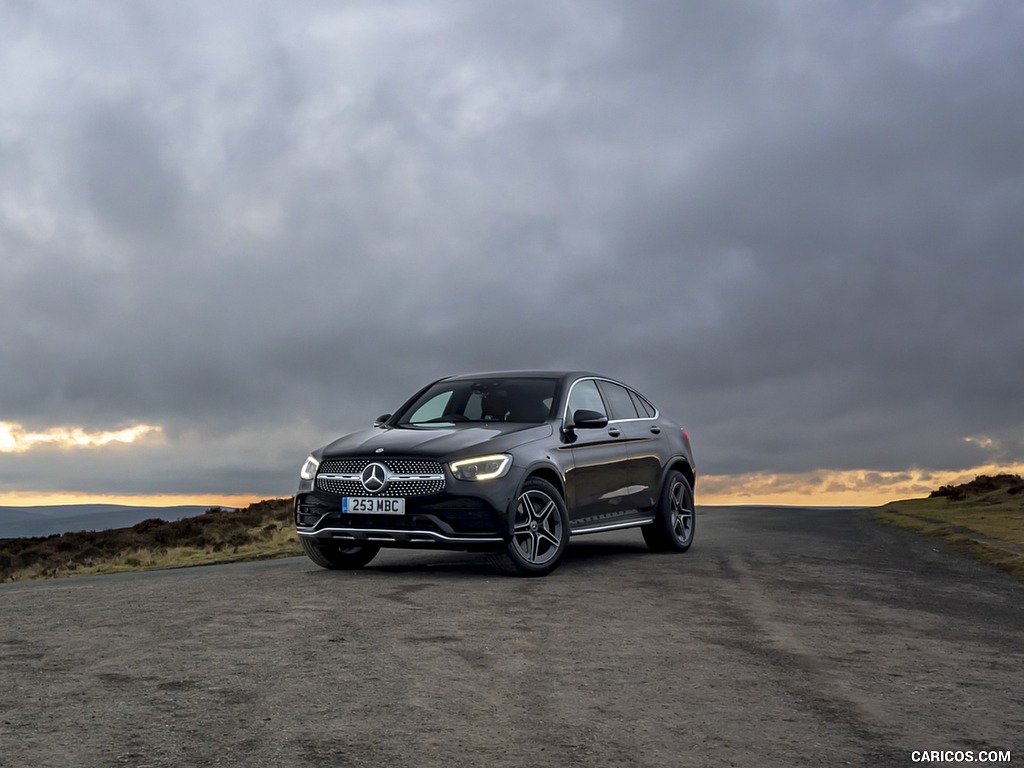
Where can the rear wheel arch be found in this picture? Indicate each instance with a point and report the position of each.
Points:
(673, 527)
(681, 465)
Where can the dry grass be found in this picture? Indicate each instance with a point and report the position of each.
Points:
(260, 530)
(983, 518)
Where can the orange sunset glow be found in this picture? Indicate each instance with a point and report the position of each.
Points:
(38, 499)
(823, 488)
(14, 438)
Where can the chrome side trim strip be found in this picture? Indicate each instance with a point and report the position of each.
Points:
(655, 417)
(610, 526)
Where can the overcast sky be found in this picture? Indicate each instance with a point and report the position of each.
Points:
(253, 226)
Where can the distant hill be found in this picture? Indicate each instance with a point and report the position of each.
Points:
(21, 522)
(261, 530)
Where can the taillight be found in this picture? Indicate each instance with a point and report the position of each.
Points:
(686, 435)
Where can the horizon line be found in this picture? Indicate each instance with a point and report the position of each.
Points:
(816, 488)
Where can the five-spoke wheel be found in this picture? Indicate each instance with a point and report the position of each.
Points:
(673, 528)
(540, 531)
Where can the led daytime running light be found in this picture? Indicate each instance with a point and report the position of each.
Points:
(461, 469)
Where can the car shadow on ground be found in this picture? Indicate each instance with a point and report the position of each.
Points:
(580, 555)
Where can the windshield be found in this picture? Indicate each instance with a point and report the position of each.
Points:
(524, 400)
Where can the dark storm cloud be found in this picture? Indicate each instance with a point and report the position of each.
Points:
(795, 226)
(131, 191)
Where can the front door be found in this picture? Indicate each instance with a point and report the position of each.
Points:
(599, 480)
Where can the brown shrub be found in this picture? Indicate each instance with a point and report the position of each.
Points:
(980, 485)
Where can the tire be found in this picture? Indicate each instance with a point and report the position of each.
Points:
(676, 520)
(337, 557)
(540, 532)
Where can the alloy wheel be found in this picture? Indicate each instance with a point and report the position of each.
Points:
(537, 533)
(682, 511)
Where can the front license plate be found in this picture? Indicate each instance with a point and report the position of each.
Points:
(358, 505)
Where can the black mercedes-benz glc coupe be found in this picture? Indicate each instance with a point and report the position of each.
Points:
(510, 463)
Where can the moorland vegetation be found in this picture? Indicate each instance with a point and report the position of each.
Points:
(261, 530)
(983, 518)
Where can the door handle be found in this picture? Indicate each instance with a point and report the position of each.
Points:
(656, 429)
(614, 432)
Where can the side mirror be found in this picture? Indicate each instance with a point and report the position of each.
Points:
(587, 419)
(382, 420)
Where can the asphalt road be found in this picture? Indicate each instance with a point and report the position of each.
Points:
(785, 637)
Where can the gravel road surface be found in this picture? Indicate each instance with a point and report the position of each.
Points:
(785, 637)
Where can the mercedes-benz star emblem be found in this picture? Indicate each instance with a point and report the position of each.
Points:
(375, 477)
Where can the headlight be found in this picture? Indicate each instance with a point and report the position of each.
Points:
(482, 467)
(308, 471)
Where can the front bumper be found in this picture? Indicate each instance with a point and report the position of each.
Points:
(466, 516)
(412, 538)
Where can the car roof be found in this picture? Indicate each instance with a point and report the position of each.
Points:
(539, 373)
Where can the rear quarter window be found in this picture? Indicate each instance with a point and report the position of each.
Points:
(619, 401)
(643, 408)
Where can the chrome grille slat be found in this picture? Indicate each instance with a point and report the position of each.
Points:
(397, 466)
(409, 477)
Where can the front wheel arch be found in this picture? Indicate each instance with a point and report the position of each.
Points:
(538, 530)
(542, 471)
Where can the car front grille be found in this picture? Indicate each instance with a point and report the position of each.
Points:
(398, 466)
(407, 477)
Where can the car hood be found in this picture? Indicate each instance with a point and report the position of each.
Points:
(446, 442)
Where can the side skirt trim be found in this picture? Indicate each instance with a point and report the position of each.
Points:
(602, 527)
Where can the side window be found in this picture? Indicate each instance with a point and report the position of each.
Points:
(619, 400)
(474, 410)
(586, 395)
(643, 408)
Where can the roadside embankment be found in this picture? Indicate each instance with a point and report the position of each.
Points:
(983, 518)
(261, 530)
